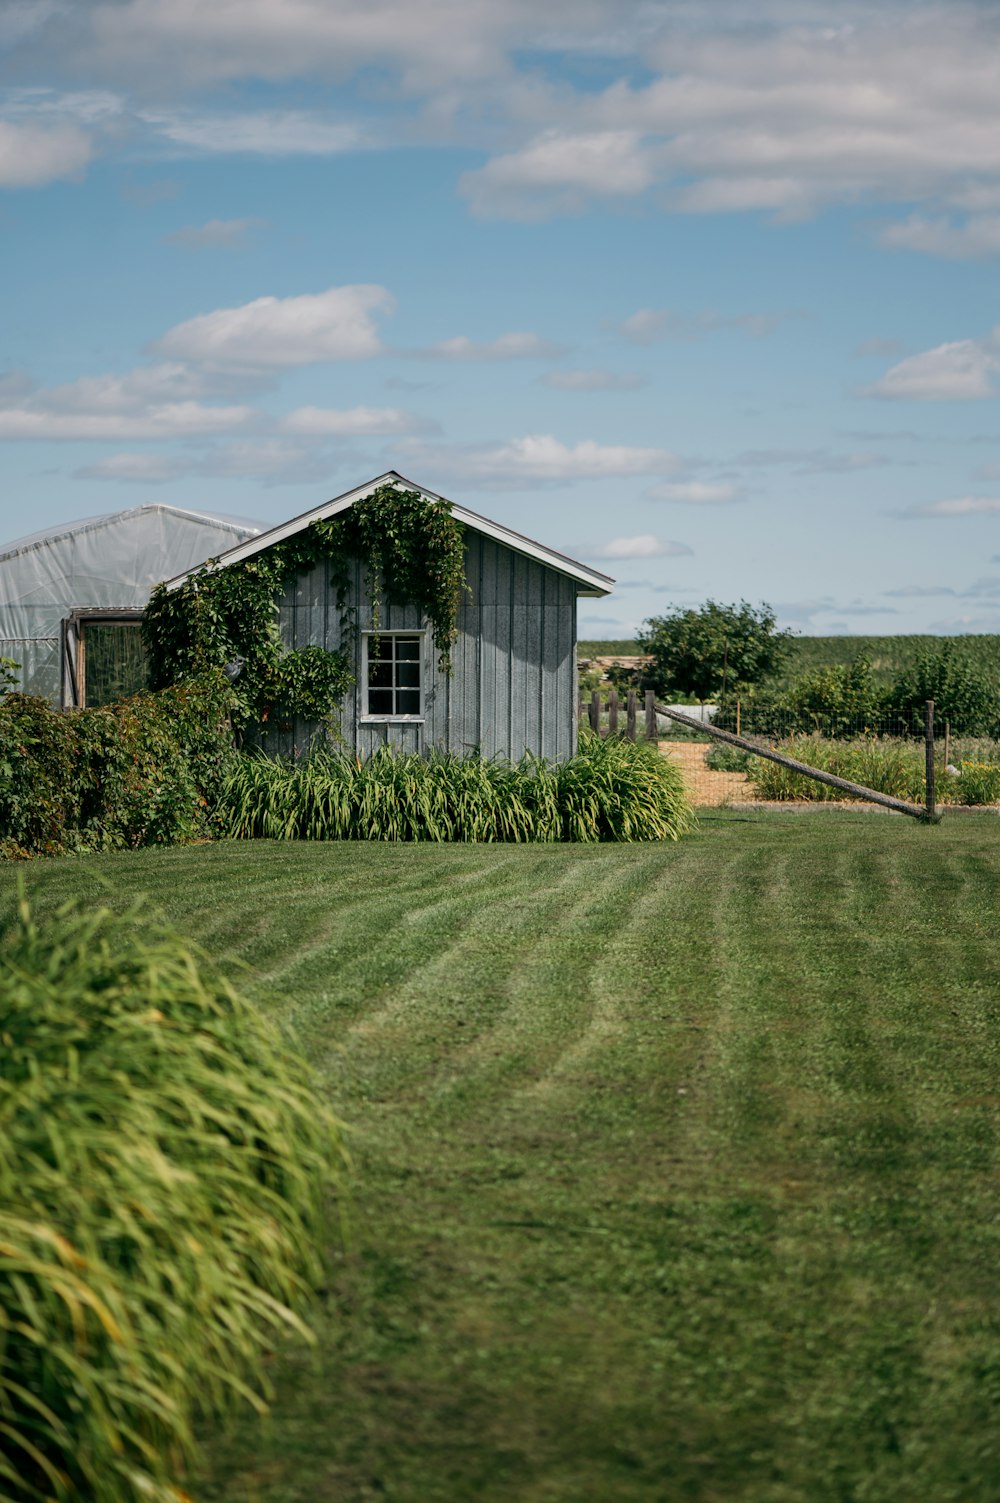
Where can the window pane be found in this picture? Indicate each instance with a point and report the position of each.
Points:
(380, 647)
(408, 675)
(380, 675)
(407, 702)
(380, 701)
(408, 647)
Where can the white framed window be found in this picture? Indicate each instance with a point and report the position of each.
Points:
(392, 686)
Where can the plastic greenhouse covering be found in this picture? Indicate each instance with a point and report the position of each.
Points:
(60, 591)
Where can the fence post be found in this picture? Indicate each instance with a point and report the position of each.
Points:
(929, 757)
(595, 711)
(613, 711)
(630, 715)
(650, 715)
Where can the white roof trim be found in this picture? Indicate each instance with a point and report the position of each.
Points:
(589, 581)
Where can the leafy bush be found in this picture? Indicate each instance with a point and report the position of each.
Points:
(144, 771)
(612, 790)
(164, 1166)
(723, 758)
(888, 766)
(963, 693)
(977, 783)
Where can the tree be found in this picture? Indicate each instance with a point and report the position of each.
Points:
(713, 651)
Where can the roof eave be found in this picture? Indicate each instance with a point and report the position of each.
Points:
(589, 582)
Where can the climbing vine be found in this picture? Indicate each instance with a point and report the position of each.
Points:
(412, 551)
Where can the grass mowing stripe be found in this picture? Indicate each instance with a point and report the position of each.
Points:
(570, 1281)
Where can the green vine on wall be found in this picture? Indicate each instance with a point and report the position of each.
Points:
(413, 553)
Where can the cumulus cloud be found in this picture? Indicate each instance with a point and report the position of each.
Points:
(338, 324)
(961, 371)
(559, 172)
(646, 545)
(159, 401)
(594, 380)
(654, 325)
(165, 399)
(695, 492)
(541, 459)
(514, 346)
(217, 234)
(811, 104)
(353, 421)
(31, 155)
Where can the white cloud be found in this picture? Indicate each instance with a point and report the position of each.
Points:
(31, 155)
(269, 332)
(960, 371)
(539, 458)
(974, 239)
(268, 461)
(268, 133)
(172, 420)
(653, 325)
(217, 234)
(559, 172)
(514, 346)
(957, 506)
(156, 401)
(695, 492)
(646, 545)
(353, 421)
(594, 380)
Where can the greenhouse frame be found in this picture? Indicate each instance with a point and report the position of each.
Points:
(72, 597)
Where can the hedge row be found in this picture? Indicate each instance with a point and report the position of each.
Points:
(144, 771)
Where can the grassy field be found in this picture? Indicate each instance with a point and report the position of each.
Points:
(675, 1166)
(888, 654)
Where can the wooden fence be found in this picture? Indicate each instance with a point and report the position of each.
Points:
(610, 714)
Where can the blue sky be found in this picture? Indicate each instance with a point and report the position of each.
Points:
(706, 301)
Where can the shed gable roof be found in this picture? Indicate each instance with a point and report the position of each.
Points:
(588, 581)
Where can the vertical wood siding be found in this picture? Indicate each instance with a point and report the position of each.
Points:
(513, 683)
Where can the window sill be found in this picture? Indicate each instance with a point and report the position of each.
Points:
(391, 719)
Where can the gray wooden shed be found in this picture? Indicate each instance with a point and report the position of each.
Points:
(513, 685)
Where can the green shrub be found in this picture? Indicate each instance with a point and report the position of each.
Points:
(612, 790)
(964, 693)
(887, 766)
(723, 758)
(143, 771)
(164, 1167)
(977, 783)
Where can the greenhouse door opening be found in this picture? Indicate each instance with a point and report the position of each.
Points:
(103, 658)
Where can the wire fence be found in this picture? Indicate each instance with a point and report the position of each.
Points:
(608, 711)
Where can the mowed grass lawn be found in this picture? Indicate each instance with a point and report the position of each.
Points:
(675, 1167)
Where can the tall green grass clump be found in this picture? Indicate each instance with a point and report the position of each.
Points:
(889, 766)
(164, 1172)
(612, 790)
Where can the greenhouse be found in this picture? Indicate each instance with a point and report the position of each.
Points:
(72, 597)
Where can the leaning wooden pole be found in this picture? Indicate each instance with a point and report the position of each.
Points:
(917, 811)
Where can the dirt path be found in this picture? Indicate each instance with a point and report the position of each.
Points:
(707, 787)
